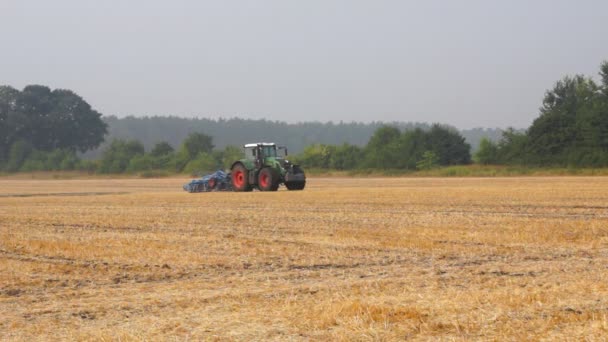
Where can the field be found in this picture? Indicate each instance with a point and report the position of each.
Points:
(346, 259)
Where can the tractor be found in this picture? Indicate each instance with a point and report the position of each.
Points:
(264, 169)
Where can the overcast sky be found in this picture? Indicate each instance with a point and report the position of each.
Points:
(466, 63)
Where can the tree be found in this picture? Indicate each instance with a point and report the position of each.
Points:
(449, 146)
(230, 154)
(162, 148)
(48, 120)
(197, 143)
(10, 122)
(18, 153)
(73, 123)
(143, 162)
(429, 161)
(346, 157)
(555, 129)
(512, 147)
(413, 145)
(572, 124)
(118, 155)
(487, 152)
(203, 163)
(316, 156)
(383, 149)
(604, 76)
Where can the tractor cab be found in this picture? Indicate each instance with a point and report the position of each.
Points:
(259, 152)
(266, 154)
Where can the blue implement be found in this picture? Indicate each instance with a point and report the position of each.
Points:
(217, 181)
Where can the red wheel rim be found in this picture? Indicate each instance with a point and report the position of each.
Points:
(264, 180)
(239, 178)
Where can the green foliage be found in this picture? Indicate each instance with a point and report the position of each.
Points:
(390, 149)
(429, 161)
(162, 148)
(345, 157)
(197, 143)
(48, 120)
(141, 162)
(449, 146)
(604, 76)
(203, 163)
(118, 155)
(487, 152)
(571, 131)
(180, 160)
(316, 156)
(383, 150)
(230, 154)
(237, 131)
(412, 145)
(19, 152)
(405, 150)
(88, 165)
(23, 157)
(512, 147)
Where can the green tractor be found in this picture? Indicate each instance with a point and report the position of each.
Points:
(263, 169)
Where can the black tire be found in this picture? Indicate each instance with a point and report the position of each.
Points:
(295, 185)
(240, 178)
(268, 179)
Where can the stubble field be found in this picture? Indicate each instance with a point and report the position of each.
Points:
(345, 259)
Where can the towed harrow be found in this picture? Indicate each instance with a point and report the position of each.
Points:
(217, 181)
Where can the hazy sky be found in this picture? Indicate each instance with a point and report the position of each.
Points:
(466, 63)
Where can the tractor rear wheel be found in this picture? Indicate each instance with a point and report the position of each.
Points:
(268, 179)
(240, 178)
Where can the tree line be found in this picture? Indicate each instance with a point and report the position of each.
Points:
(238, 131)
(195, 155)
(48, 130)
(44, 129)
(389, 148)
(571, 130)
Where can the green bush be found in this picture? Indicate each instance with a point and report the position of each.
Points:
(89, 166)
(230, 154)
(27, 159)
(143, 162)
(18, 153)
(33, 165)
(162, 148)
(203, 163)
(429, 160)
(118, 155)
(487, 153)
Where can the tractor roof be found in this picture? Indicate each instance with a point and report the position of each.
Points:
(260, 144)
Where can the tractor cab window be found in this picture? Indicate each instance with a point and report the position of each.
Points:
(269, 151)
(250, 153)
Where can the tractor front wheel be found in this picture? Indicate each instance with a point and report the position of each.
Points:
(268, 179)
(295, 185)
(240, 178)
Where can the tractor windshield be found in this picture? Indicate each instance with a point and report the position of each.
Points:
(269, 151)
